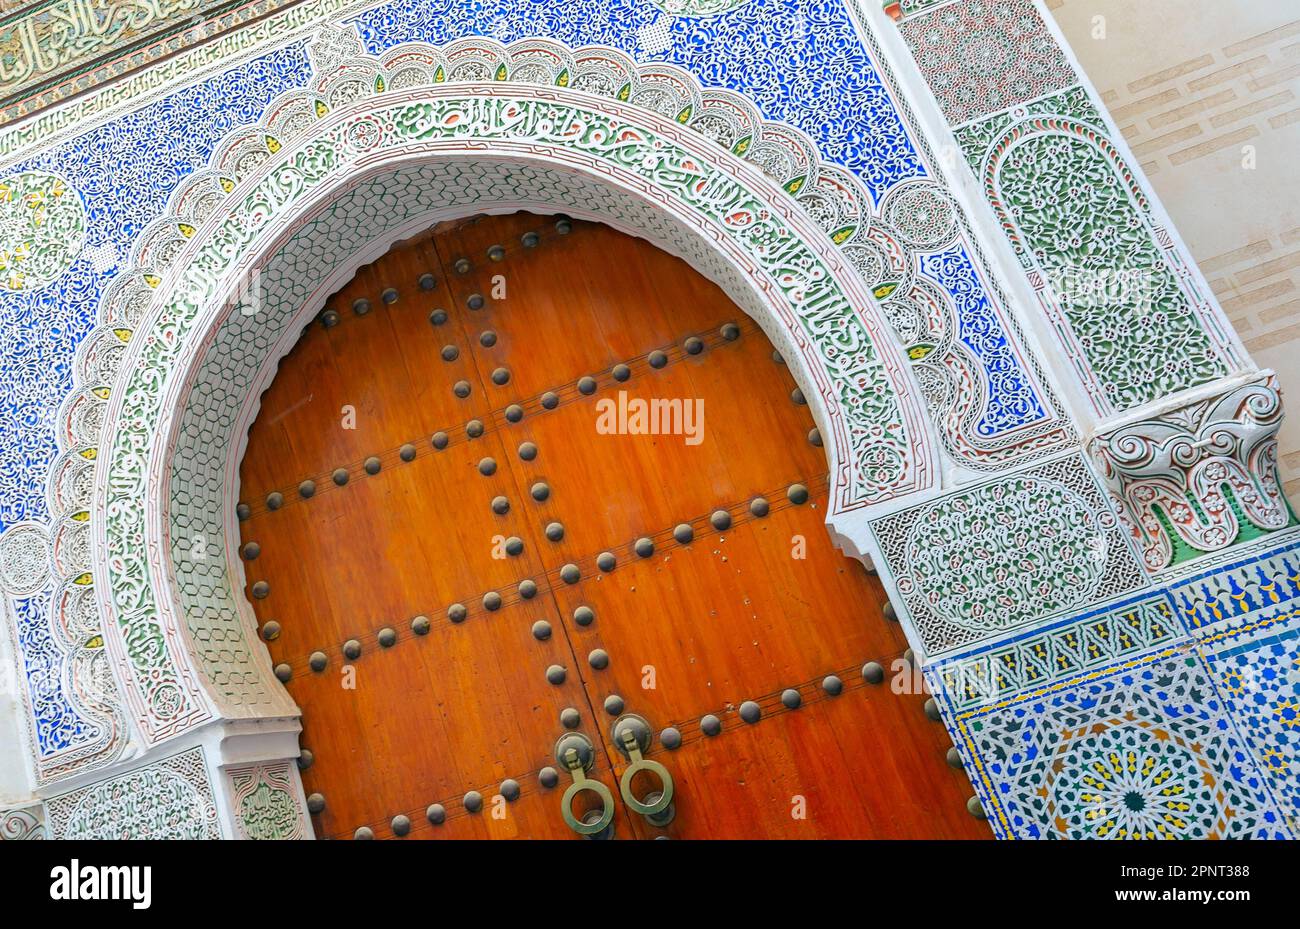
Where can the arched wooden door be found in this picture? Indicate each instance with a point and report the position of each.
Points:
(484, 511)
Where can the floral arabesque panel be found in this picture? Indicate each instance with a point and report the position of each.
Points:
(976, 564)
(167, 799)
(1133, 316)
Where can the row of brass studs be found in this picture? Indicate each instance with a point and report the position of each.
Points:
(439, 812)
(720, 520)
(528, 241)
(496, 253)
(570, 573)
(407, 452)
(789, 699)
(597, 658)
(750, 712)
(488, 338)
(513, 413)
(472, 801)
(672, 738)
(362, 306)
(569, 718)
(428, 281)
(388, 636)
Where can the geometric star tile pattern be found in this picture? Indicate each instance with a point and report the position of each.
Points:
(1145, 749)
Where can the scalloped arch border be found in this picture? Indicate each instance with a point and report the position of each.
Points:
(267, 177)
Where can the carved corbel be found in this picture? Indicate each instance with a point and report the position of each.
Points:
(1200, 477)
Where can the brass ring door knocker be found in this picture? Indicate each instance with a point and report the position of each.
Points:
(632, 736)
(576, 753)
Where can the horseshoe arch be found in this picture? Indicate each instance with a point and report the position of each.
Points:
(373, 152)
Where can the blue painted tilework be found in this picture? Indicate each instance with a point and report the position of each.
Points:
(803, 63)
(124, 172)
(57, 723)
(1258, 673)
(1255, 592)
(1262, 582)
(1058, 724)
(1143, 749)
(1059, 650)
(800, 61)
(1012, 400)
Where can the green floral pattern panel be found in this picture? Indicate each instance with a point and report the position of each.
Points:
(1118, 294)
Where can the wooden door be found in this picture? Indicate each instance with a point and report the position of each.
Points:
(527, 477)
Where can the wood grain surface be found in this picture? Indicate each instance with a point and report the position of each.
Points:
(739, 614)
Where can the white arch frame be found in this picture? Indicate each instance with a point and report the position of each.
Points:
(766, 251)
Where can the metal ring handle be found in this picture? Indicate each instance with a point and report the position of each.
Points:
(607, 806)
(665, 781)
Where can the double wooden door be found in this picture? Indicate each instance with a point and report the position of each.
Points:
(532, 499)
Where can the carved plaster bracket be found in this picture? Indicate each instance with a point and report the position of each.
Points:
(1197, 476)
